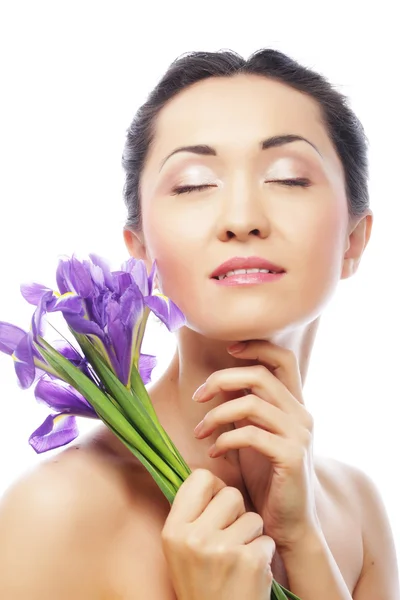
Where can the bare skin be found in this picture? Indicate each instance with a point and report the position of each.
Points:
(143, 511)
(244, 213)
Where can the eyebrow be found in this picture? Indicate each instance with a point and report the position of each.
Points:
(271, 142)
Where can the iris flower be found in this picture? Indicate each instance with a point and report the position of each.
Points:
(105, 376)
(107, 313)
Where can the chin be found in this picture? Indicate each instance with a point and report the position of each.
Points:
(232, 331)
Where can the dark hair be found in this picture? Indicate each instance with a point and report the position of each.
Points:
(344, 128)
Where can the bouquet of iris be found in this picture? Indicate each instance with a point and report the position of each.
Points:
(103, 376)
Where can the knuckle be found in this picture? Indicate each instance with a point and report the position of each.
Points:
(256, 517)
(259, 370)
(256, 521)
(170, 537)
(234, 494)
(255, 560)
(261, 555)
(253, 401)
(204, 476)
(256, 432)
(200, 472)
(195, 542)
(221, 549)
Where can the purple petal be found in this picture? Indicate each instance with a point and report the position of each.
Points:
(122, 281)
(18, 343)
(132, 306)
(81, 325)
(120, 341)
(23, 362)
(67, 350)
(74, 357)
(102, 263)
(138, 271)
(80, 278)
(55, 431)
(37, 318)
(129, 264)
(96, 307)
(152, 277)
(68, 302)
(10, 336)
(32, 292)
(63, 397)
(166, 311)
(96, 274)
(63, 276)
(123, 320)
(147, 362)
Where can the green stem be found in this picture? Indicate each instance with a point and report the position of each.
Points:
(281, 593)
(107, 411)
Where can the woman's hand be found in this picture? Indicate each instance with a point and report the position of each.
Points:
(215, 550)
(273, 434)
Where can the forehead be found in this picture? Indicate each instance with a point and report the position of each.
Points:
(233, 112)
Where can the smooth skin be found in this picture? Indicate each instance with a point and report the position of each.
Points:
(273, 433)
(214, 548)
(252, 407)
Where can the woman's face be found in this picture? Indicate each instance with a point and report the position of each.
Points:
(245, 211)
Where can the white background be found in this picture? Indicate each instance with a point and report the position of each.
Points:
(72, 77)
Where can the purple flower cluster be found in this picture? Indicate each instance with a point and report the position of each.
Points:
(110, 309)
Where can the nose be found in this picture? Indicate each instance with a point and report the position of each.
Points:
(242, 212)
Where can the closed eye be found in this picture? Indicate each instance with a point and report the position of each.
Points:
(186, 189)
(300, 181)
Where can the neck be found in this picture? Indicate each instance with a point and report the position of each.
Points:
(196, 358)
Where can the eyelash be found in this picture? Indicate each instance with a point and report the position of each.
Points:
(186, 189)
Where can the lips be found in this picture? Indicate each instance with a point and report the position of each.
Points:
(250, 262)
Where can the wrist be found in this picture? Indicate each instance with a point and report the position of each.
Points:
(311, 542)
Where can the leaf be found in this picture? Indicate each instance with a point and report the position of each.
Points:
(134, 409)
(279, 592)
(136, 382)
(107, 411)
(164, 484)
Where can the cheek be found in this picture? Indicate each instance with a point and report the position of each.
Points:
(327, 239)
(176, 242)
(321, 251)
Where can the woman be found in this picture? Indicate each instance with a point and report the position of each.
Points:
(246, 181)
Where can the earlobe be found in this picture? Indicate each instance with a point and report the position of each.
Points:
(356, 243)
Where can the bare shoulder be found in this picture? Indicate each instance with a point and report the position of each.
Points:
(56, 525)
(91, 515)
(379, 577)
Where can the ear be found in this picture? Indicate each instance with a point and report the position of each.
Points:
(357, 240)
(135, 244)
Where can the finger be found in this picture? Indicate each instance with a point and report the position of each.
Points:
(282, 361)
(244, 530)
(193, 496)
(222, 511)
(251, 408)
(256, 378)
(261, 549)
(281, 451)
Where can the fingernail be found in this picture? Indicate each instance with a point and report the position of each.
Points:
(198, 427)
(237, 347)
(212, 451)
(199, 392)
